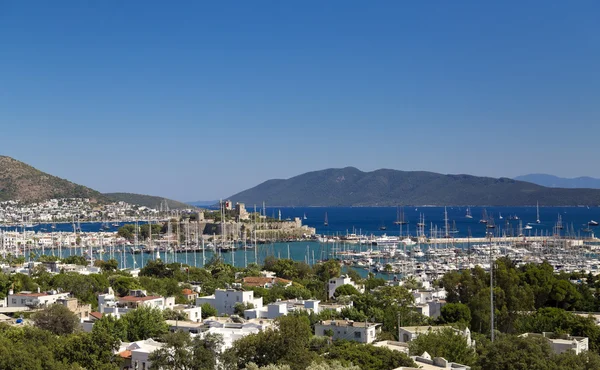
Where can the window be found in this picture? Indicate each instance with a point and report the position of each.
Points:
(143, 366)
(357, 334)
(14, 301)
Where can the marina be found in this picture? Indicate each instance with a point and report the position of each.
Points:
(428, 250)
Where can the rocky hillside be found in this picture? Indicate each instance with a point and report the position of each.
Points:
(20, 181)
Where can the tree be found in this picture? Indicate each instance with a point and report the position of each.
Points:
(587, 360)
(366, 356)
(509, 352)
(123, 284)
(156, 269)
(57, 319)
(84, 349)
(143, 323)
(181, 352)
(174, 354)
(83, 287)
(456, 313)
(334, 365)
(127, 232)
(327, 270)
(170, 314)
(239, 308)
(446, 343)
(344, 290)
(208, 311)
(110, 328)
(107, 266)
(287, 344)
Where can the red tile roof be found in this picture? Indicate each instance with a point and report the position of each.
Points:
(261, 281)
(187, 292)
(125, 354)
(31, 294)
(96, 315)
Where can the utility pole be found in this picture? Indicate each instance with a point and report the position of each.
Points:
(491, 289)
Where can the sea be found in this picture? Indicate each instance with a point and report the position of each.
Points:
(360, 220)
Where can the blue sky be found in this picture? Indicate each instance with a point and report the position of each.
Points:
(200, 100)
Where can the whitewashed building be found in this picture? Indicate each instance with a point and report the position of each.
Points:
(562, 342)
(335, 283)
(225, 300)
(363, 332)
(34, 299)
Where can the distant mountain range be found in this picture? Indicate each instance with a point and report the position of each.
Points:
(352, 187)
(149, 201)
(20, 181)
(203, 203)
(552, 181)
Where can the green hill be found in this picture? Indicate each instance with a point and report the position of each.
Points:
(20, 181)
(352, 187)
(146, 200)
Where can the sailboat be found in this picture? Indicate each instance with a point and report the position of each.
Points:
(468, 215)
(537, 220)
(490, 224)
(400, 217)
(500, 215)
(484, 217)
(326, 223)
(454, 230)
(304, 216)
(559, 224)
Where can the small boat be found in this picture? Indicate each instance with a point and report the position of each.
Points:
(527, 227)
(484, 217)
(454, 230)
(593, 223)
(468, 215)
(400, 217)
(326, 223)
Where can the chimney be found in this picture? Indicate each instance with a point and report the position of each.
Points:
(11, 292)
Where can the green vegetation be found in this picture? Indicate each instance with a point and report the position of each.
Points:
(530, 298)
(20, 181)
(352, 187)
(57, 319)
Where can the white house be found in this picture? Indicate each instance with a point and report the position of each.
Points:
(224, 300)
(111, 305)
(338, 282)
(193, 313)
(425, 362)
(409, 333)
(187, 326)
(363, 332)
(136, 354)
(37, 299)
(233, 331)
(562, 342)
